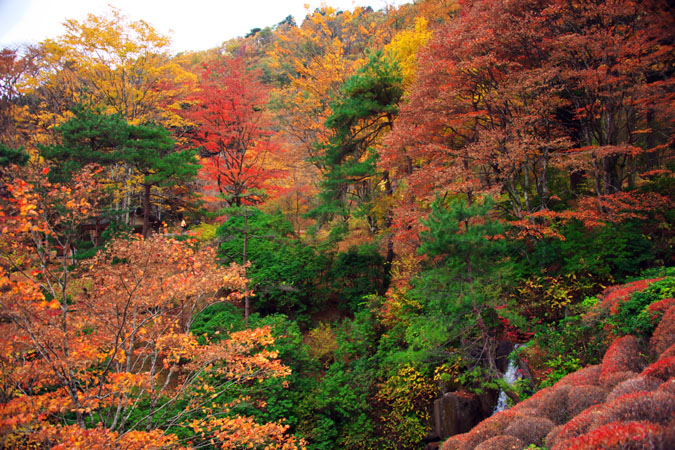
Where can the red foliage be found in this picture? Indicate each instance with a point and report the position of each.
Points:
(555, 405)
(619, 435)
(583, 397)
(613, 379)
(233, 130)
(658, 309)
(656, 407)
(576, 426)
(663, 369)
(637, 384)
(664, 334)
(668, 353)
(668, 386)
(587, 376)
(454, 443)
(529, 430)
(613, 296)
(489, 428)
(622, 356)
(501, 443)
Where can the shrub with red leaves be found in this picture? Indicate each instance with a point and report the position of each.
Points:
(454, 443)
(655, 407)
(668, 353)
(534, 401)
(501, 443)
(664, 334)
(530, 430)
(552, 437)
(662, 369)
(620, 436)
(668, 386)
(613, 296)
(622, 356)
(577, 426)
(658, 309)
(587, 376)
(611, 380)
(554, 405)
(489, 428)
(583, 397)
(636, 384)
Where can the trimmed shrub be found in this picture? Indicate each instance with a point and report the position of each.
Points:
(554, 405)
(587, 375)
(622, 356)
(656, 407)
(501, 443)
(619, 436)
(637, 384)
(664, 335)
(583, 397)
(454, 443)
(668, 353)
(530, 430)
(489, 428)
(668, 386)
(662, 369)
(534, 401)
(613, 379)
(552, 437)
(578, 426)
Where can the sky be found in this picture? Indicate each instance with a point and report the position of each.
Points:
(192, 24)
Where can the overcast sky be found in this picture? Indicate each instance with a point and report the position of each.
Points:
(192, 24)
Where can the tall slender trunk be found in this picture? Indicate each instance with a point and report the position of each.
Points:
(146, 209)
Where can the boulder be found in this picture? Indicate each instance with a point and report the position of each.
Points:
(456, 412)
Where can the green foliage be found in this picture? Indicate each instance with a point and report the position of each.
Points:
(559, 366)
(633, 316)
(357, 273)
(9, 156)
(284, 272)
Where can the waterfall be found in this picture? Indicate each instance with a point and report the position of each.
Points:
(510, 377)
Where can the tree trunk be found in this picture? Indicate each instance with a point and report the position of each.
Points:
(146, 209)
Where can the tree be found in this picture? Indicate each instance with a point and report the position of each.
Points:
(150, 150)
(100, 354)
(232, 126)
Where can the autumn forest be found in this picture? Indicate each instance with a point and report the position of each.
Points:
(444, 225)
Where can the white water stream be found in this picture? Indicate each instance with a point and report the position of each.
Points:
(510, 377)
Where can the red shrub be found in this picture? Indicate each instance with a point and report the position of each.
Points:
(577, 425)
(622, 356)
(637, 384)
(619, 435)
(454, 443)
(656, 407)
(668, 386)
(664, 335)
(662, 369)
(580, 398)
(552, 437)
(491, 427)
(658, 309)
(613, 296)
(585, 376)
(668, 353)
(529, 430)
(613, 379)
(501, 443)
(534, 401)
(554, 405)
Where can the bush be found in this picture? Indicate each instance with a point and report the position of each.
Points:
(622, 356)
(583, 397)
(656, 407)
(664, 335)
(636, 384)
(663, 369)
(619, 436)
(633, 315)
(554, 406)
(356, 273)
(577, 426)
(529, 430)
(587, 376)
(501, 443)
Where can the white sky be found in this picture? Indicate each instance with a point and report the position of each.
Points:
(192, 24)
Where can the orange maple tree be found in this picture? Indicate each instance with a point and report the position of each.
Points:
(85, 344)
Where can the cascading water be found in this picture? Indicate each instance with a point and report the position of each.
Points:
(510, 377)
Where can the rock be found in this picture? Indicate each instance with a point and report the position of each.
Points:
(456, 412)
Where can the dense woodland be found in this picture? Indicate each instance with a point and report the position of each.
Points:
(379, 206)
